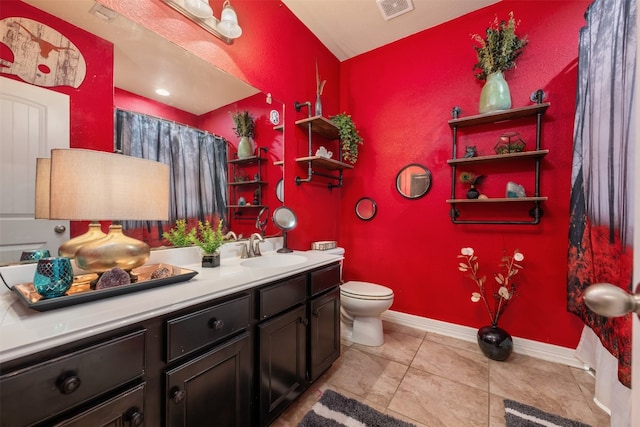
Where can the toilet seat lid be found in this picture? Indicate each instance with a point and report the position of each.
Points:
(365, 289)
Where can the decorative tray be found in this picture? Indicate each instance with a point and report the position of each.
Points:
(81, 292)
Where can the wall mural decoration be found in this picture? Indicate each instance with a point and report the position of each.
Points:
(41, 55)
(600, 234)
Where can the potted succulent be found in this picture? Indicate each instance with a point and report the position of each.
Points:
(497, 53)
(209, 240)
(245, 129)
(349, 137)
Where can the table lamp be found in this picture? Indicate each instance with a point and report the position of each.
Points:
(70, 247)
(95, 185)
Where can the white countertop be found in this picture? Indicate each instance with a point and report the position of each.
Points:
(25, 331)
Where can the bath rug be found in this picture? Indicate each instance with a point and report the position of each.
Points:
(336, 410)
(520, 415)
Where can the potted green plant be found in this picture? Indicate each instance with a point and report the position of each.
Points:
(245, 127)
(349, 137)
(497, 53)
(178, 236)
(209, 240)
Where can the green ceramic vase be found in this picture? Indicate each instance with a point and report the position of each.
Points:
(495, 95)
(245, 147)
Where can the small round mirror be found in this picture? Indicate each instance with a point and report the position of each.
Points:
(280, 190)
(413, 181)
(366, 208)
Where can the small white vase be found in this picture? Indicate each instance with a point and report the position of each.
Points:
(246, 147)
(495, 95)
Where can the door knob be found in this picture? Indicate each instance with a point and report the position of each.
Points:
(59, 229)
(609, 300)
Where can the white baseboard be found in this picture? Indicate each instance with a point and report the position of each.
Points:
(548, 352)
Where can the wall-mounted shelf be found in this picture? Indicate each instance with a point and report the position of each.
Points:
(499, 200)
(535, 156)
(498, 157)
(244, 188)
(325, 128)
(278, 163)
(324, 163)
(279, 128)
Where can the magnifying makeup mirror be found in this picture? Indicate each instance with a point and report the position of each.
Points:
(285, 219)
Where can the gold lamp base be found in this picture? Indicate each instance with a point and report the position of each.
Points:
(114, 250)
(69, 248)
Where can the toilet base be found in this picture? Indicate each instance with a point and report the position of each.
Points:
(365, 330)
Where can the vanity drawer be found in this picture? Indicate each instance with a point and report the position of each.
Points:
(41, 391)
(194, 331)
(324, 278)
(281, 296)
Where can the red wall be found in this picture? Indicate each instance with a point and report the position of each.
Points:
(402, 110)
(92, 102)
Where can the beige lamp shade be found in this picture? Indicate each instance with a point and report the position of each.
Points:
(95, 185)
(43, 171)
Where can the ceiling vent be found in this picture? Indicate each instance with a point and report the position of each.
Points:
(393, 8)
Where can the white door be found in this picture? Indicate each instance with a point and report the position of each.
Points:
(33, 120)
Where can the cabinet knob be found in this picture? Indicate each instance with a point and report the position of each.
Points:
(304, 321)
(216, 324)
(176, 395)
(135, 417)
(69, 383)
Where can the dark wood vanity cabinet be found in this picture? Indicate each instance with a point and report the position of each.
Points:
(99, 384)
(236, 361)
(213, 389)
(298, 337)
(210, 383)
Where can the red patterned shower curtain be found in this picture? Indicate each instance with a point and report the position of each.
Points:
(601, 225)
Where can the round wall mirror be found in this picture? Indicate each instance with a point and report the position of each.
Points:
(413, 181)
(280, 190)
(366, 208)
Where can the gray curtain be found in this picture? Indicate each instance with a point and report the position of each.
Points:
(602, 181)
(197, 162)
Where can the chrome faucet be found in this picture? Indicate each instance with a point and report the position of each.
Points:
(254, 247)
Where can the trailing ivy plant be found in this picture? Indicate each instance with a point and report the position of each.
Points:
(349, 137)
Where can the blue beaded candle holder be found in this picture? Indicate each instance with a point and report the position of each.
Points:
(53, 277)
(34, 255)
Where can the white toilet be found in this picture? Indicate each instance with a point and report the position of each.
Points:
(362, 304)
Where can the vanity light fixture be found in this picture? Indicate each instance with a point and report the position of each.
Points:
(88, 184)
(226, 28)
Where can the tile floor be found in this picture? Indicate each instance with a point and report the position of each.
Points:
(432, 380)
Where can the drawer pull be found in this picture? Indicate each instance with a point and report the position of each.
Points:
(216, 324)
(69, 383)
(135, 417)
(177, 395)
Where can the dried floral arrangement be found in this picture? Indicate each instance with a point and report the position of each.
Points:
(499, 49)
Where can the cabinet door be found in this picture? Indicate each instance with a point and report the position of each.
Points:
(282, 364)
(213, 389)
(126, 409)
(324, 332)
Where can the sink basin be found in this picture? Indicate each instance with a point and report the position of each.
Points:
(274, 261)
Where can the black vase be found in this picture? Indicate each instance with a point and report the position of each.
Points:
(495, 342)
(473, 193)
(210, 260)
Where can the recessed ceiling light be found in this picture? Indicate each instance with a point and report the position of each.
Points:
(162, 92)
